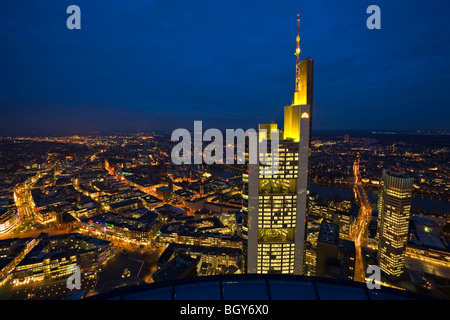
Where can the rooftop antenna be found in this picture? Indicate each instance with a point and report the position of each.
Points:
(297, 54)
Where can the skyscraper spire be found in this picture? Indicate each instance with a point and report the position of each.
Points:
(297, 53)
(297, 65)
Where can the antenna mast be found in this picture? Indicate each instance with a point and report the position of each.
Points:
(297, 53)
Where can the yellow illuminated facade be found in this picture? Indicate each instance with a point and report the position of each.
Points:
(277, 214)
(394, 206)
(292, 122)
(301, 106)
(270, 214)
(301, 96)
(269, 129)
(275, 203)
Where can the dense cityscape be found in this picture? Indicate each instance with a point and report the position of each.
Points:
(118, 206)
(105, 196)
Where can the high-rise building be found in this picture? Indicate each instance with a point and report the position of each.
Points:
(335, 256)
(394, 206)
(327, 249)
(275, 202)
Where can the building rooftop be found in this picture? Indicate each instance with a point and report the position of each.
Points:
(398, 173)
(329, 233)
(144, 223)
(70, 244)
(125, 203)
(257, 287)
(173, 248)
(181, 266)
(424, 221)
(426, 233)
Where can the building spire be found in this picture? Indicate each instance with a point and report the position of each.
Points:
(297, 53)
(297, 65)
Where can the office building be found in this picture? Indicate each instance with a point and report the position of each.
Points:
(275, 200)
(394, 206)
(52, 256)
(335, 256)
(9, 219)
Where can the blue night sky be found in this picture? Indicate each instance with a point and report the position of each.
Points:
(152, 65)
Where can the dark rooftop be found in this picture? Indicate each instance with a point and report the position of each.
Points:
(257, 287)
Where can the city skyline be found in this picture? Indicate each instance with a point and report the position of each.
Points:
(151, 67)
(98, 200)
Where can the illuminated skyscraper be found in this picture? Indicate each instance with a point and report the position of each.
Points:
(394, 206)
(275, 203)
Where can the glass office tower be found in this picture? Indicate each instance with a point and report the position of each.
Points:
(275, 203)
(394, 206)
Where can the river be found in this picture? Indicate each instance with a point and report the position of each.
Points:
(440, 205)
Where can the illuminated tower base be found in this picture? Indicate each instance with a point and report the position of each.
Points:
(275, 229)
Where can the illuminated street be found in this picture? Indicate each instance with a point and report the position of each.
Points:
(359, 231)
